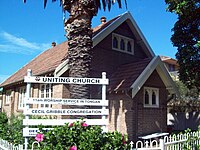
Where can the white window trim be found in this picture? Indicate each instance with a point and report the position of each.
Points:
(45, 90)
(21, 97)
(126, 40)
(150, 90)
(8, 97)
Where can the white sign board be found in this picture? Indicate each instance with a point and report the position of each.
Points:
(33, 111)
(31, 132)
(91, 102)
(65, 80)
(56, 122)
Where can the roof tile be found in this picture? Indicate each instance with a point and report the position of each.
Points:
(126, 75)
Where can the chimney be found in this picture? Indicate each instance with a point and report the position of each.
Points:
(103, 20)
(53, 44)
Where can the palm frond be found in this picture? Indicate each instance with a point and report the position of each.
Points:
(109, 4)
(98, 4)
(119, 3)
(126, 4)
(104, 4)
(45, 3)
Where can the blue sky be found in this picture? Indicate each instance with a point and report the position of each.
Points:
(28, 29)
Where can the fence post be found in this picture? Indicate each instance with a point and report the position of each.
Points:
(162, 144)
(28, 92)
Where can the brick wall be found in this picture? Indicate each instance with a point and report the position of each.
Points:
(121, 113)
(152, 119)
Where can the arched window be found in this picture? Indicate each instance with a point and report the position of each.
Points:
(122, 44)
(115, 42)
(129, 47)
(146, 97)
(153, 98)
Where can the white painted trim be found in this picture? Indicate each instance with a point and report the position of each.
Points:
(137, 85)
(62, 68)
(126, 40)
(157, 64)
(167, 79)
(150, 89)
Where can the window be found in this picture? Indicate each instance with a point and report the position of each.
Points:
(151, 97)
(171, 67)
(22, 92)
(122, 43)
(8, 97)
(129, 47)
(46, 91)
(115, 42)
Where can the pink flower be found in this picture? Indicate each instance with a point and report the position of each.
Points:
(73, 148)
(84, 124)
(71, 124)
(39, 137)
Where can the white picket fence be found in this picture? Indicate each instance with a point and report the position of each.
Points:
(173, 142)
(5, 145)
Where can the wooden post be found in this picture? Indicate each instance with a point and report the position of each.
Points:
(105, 129)
(28, 93)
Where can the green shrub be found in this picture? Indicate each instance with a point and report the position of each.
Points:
(190, 144)
(79, 135)
(3, 124)
(11, 128)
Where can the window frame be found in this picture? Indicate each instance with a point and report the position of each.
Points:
(44, 93)
(126, 40)
(21, 97)
(150, 91)
(8, 97)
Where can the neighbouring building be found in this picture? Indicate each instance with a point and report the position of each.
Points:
(182, 113)
(139, 83)
(172, 66)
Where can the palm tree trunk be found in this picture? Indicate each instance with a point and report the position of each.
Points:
(79, 33)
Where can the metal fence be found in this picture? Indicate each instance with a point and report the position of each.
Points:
(5, 145)
(189, 141)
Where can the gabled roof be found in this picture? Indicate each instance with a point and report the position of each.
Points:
(169, 60)
(126, 17)
(53, 59)
(126, 75)
(134, 75)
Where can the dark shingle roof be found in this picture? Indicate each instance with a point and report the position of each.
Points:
(126, 75)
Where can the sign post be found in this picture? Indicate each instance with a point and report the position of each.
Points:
(28, 91)
(104, 99)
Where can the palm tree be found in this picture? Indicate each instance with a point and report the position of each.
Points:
(79, 34)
